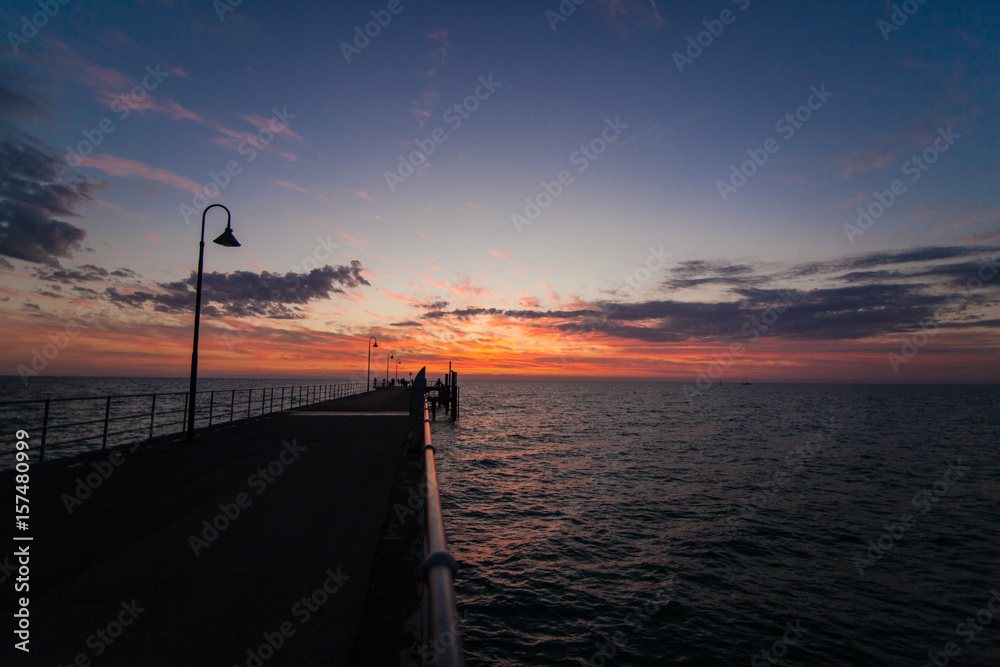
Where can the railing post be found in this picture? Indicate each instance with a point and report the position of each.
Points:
(107, 413)
(249, 399)
(263, 398)
(232, 406)
(282, 399)
(45, 428)
(211, 406)
(152, 417)
(271, 411)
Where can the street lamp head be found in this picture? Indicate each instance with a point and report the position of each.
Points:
(375, 344)
(227, 239)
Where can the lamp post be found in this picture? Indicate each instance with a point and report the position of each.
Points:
(398, 362)
(387, 367)
(225, 239)
(370, 346)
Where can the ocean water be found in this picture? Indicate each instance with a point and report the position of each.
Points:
(618, 524)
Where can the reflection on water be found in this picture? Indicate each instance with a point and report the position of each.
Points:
(590, 522)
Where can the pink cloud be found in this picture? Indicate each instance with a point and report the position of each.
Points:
(116, 166)
(501, 254)
(262, 123)
(442, 53)
(291, 186)
(352, 241)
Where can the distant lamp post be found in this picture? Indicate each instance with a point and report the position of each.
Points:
(370, 346)
(387, 367)
(398, 362)
(225, 239)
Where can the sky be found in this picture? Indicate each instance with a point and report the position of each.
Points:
(597, 189)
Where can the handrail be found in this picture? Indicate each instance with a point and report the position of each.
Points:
(441, 633)
(212, 414)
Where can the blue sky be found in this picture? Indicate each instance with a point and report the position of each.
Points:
(443, 241)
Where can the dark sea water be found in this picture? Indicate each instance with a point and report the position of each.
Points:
(617, 524)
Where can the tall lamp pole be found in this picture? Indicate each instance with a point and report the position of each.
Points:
(370, 346)
(387, 367)
(225, 239)
(398, 362)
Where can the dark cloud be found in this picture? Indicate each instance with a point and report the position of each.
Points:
(874, 301)
(874, 260)
(15, 105)
(247, 294)
(408, 323)
(700, 272)
(84, 273)
(36, 189)
(433, 305)
(467, 313)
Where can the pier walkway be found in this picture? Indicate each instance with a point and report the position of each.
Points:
(253, 545)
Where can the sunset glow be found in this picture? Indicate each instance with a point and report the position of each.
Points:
(547, 199)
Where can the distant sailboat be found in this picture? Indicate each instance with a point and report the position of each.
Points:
(745, 379)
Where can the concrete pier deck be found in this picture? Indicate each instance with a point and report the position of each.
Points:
(253, 546)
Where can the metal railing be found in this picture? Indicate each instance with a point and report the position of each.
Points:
(441, 633)
(149, 415)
